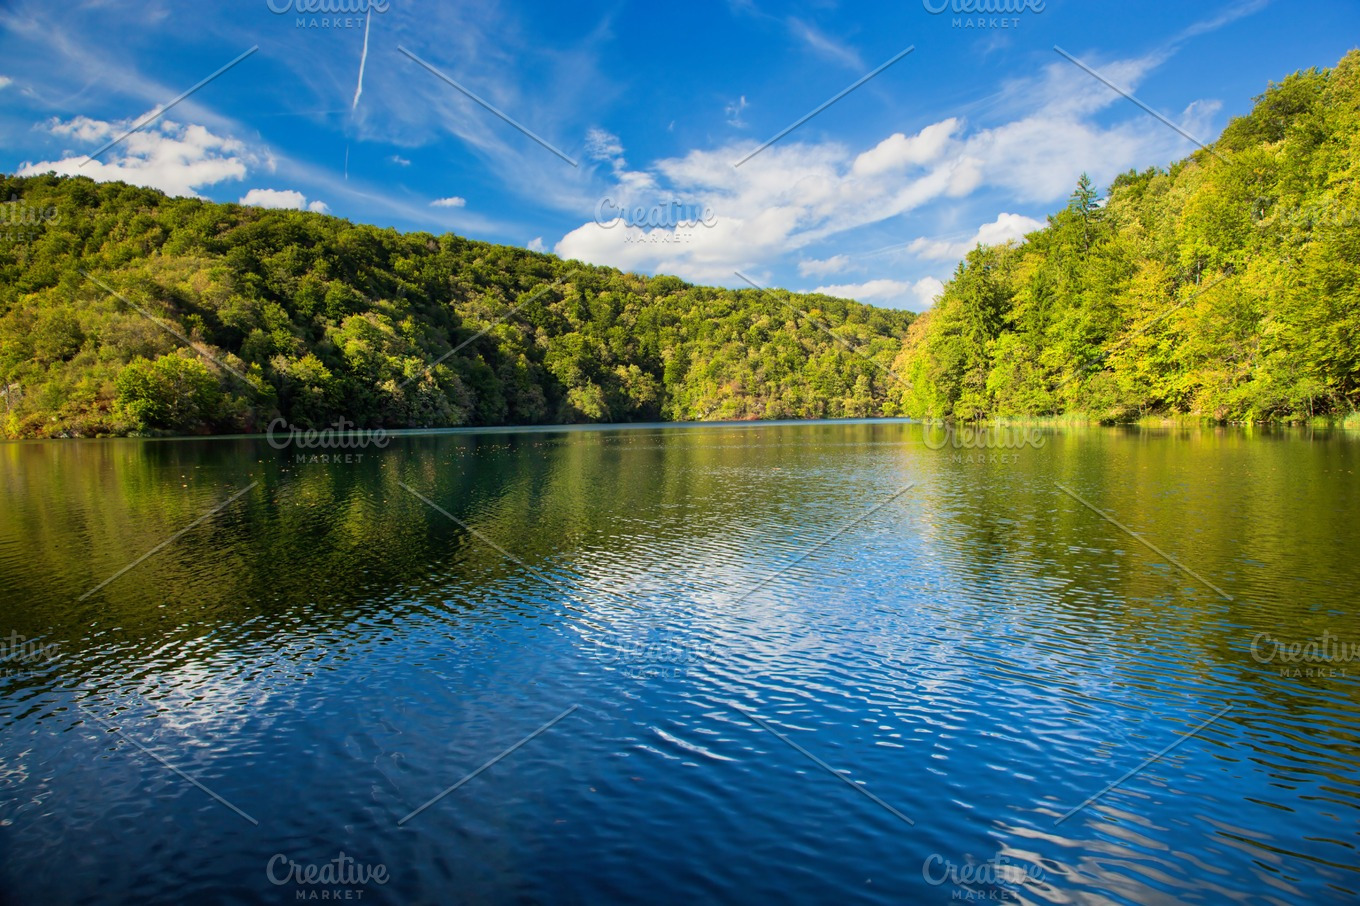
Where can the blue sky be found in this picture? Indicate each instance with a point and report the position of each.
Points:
(978, 133)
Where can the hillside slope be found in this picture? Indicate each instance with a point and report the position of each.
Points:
(1227, 286)
(125, 311)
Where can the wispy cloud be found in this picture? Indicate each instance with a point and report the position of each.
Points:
(733, 112)
(825, 46)
(811, 267)
(604, 145)
(218, 148)
(363, 61)
(1229, 15)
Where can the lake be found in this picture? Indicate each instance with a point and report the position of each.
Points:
(863, 662)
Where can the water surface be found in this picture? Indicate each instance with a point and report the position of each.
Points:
(824, 661)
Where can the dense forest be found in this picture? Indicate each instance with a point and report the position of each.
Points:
(1226, 287)
(124, 311)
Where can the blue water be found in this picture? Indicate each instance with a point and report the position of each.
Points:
(841, 662)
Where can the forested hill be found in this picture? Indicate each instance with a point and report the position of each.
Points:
(1224, 287)
(125, 311)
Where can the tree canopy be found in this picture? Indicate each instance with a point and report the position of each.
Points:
(1223, 287)
(128, 311)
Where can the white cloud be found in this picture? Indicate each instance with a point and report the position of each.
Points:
(283, 198)
(1005, 228)
(275, 198)
(536, 245)
(5, 81)
(81, 128)
(811, 267)
(399, 160)
(926, 290)
(794, 195)
(918, 295)
(453, 201)
(873, 289)
(897, 151)
(788, 197)
(165, 155)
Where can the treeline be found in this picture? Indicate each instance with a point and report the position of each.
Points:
(125, 311)
(1224, 287)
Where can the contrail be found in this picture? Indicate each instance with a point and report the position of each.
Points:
(363, 58)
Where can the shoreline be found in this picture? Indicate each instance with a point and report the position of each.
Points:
(1348, 422)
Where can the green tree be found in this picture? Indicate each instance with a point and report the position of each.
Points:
(176, 392)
